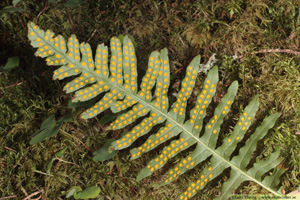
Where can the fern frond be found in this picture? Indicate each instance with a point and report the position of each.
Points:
(117, 79)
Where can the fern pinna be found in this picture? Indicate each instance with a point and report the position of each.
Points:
(117, 79)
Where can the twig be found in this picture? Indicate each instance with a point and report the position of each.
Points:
(33, 194)
(271, 51)
(46, 1)
(91, 36)
(61, 160)
(10, 149)
(71, 20)
(126, 182)
(20, 21)
(77, 140)
(9, 197)
(13, 85)
(41, 197)
(18, 162)
(37, 171)
(24, 191)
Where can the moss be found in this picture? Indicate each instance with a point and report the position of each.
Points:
(186, 28)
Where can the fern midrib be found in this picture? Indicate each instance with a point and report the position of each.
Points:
(142, 101)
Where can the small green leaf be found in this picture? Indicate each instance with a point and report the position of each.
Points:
(12, 63)
(66, 118)
(121, 38)
(49, 128)
(51, 1)
(105, 153)
(90, 192)
(74, 3)
(49, 166)
(58, 154)
(73, 190)
(71, 193)
(47, 125)
(49, 122)
(15, 2)
(61, 153)
(8, 9)
(44, 133)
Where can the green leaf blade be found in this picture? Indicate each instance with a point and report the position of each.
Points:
(198, 113)
(163, 82)
(10, 9)
(207, 175)
(11, 63)
(179, 107)
(243, 159)
(87, 193)
(129, 63)
(261, 167)
(119, 83)
(245, 120)
(230, 185)
(213, 126)
(273, 180)
(150, 77)
(105, 153)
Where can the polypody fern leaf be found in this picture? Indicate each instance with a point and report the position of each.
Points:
(117, 79)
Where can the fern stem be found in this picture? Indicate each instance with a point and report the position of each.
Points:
(67, 162)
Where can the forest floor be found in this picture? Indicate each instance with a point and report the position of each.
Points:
(255, 41)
